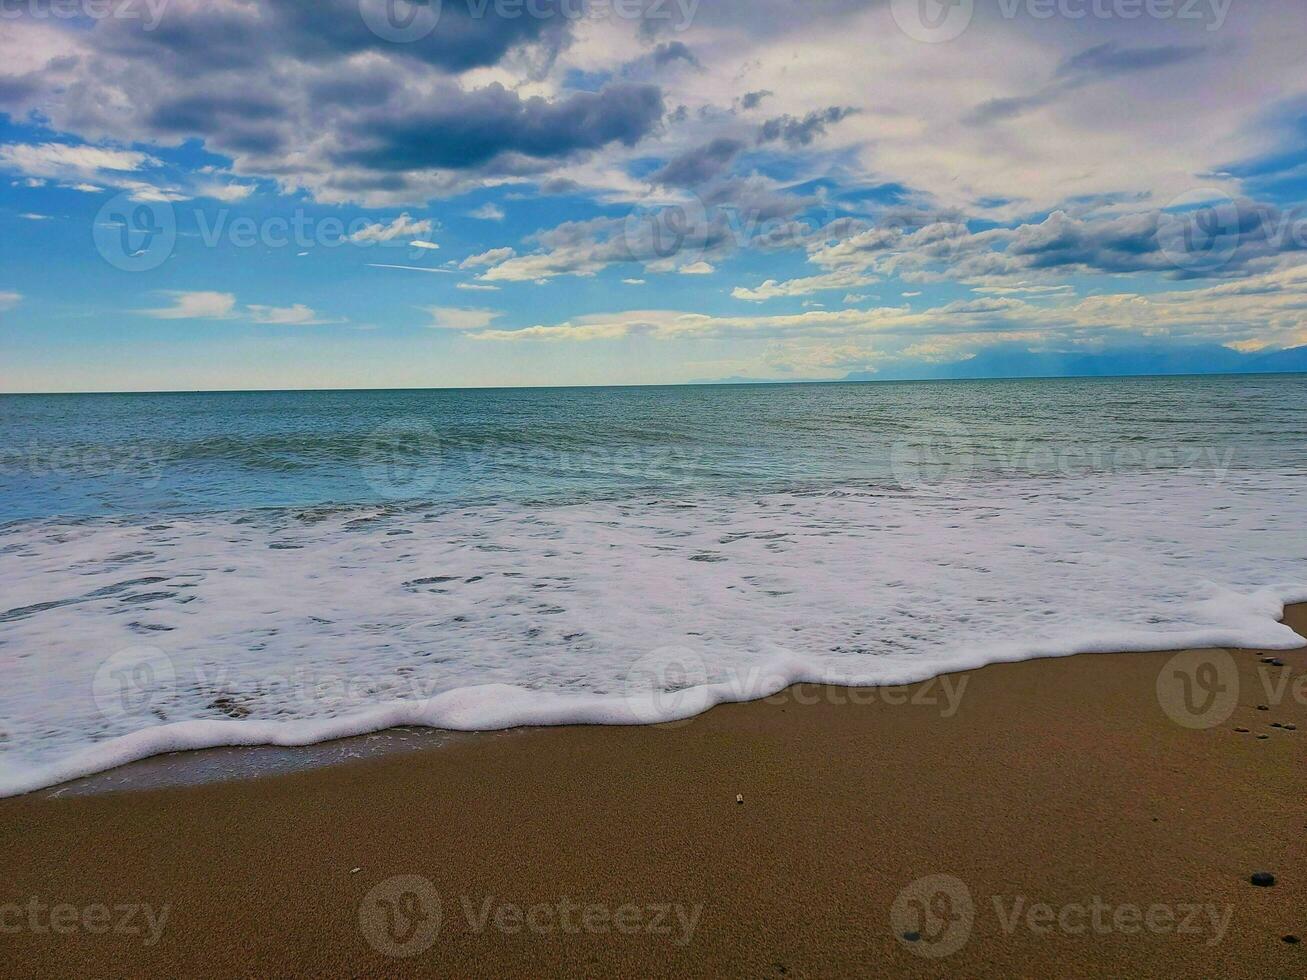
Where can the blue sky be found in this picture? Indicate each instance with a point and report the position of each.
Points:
(361, 193)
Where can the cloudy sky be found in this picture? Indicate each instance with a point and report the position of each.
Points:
(370, 193)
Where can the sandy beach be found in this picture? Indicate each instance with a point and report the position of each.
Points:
(1074, 817)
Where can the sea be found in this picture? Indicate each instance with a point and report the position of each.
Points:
(181, 571)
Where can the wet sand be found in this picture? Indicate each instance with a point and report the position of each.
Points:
(1082, 829)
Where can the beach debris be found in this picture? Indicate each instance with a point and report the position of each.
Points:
(739, 797)
(1263, 879)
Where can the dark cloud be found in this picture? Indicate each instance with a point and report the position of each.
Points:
(751, 100)
(699, 164)
(796, 132)
(665, 54)
(1090, 65)
(1112, 59)
(461, 130)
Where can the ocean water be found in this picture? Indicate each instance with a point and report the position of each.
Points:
(190, 570)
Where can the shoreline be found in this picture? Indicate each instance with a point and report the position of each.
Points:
(1061, 786)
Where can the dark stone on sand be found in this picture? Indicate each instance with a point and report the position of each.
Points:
(1263, 736)
(1277, 663)
(1263, 707)
(1263, 879)
(1291, 940)
(911, 937)
(1290, 728)
(1243, 731)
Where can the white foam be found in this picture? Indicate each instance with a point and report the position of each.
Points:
(327, 624)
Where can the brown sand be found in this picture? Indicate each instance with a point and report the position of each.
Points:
(1055, 782)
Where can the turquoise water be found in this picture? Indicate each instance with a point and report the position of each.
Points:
(168, 453)
(179, 571)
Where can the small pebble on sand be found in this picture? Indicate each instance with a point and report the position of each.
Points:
(1263, 879)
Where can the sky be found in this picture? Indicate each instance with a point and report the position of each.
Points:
(232, 194)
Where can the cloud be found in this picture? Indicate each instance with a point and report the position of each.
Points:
(491, 256)
(297, 315)
(459, 318)
(481, 287)
(464, 130)
(699, 164)
(402, 227)
(9, 299)
(65, 161)
(200, 305)
(208, 305)
(795, 132)
(697, 269)
(419, 243)
(488, 212)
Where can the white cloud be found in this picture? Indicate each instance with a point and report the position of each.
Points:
(297, 315)
(32, 216)
(8, 300)
(419, 243)
(210, 305)
(480, 287)
(402, 227)
(63, 160)
(460, 318)
(697, 269)
(488, 212)
(489, 257)
(228, 193)
(633, 282)
(197, 305)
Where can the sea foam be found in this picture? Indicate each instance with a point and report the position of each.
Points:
(124, 638)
